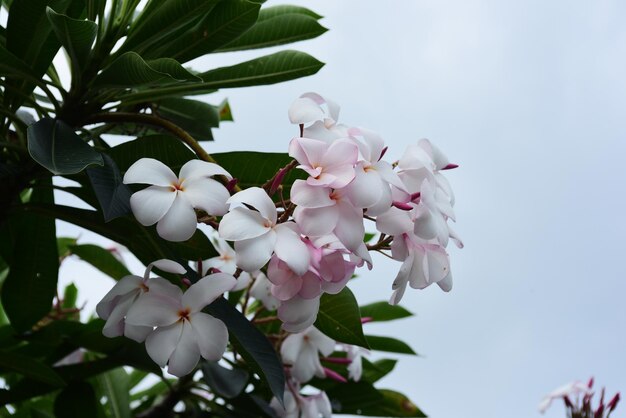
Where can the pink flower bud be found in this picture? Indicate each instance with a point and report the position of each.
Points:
(613, 402)
(186, 281)
(331, 374)
(402, 206)
(450, 166)
(568, 403)
(230, 186)
(337, 360)
(366, 319)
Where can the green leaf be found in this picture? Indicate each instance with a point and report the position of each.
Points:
(70, 296)
(388, 344)
(271, 12)
(54, 145)
(225, 382)
(383, 311)
(277, 30)
(112, 194)
(160, 20)
(224, 111)
(10, 65)
(259, 167)
(29, 288)
(63, 244)
(252, 344)
(101, 259)
(30, 368)
(114, 385)
(270, 69)
(165, 148)
(77, 400)
(130, 70)
(195, 117)
(227, 21)
(340, 319)
(76, 36)
(374, 371)
(353, 397)
(394, 404)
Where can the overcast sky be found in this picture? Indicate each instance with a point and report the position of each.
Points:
(529, 98)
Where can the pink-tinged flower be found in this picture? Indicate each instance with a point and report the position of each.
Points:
(261, 290)
(309, 108)
(370, 188)
(302, 352)
(297, 314)
(328, 165)
(257, 234)
(115, 304)
(568, 390)
(170, 200)
(298, 406)
(322, 211)
(183, 333)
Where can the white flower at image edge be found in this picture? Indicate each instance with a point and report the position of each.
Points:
(570, 389)
(183, 332)
(170, 200)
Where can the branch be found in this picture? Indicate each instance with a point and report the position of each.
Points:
(164, 408)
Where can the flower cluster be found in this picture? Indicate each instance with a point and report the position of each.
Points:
(286, 252)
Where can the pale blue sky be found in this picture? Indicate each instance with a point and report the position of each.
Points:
(529, 97)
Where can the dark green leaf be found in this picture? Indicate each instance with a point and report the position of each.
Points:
(167, 149)
(114, 385)
(130, 70)
(101, 259)
(225, 382)
(252, 344)
(76, 36)
(227, 21)
(70, 296)
(353, 397)
(160, 20)
(340, 319)
(77, 400)
(270, 69)
(259, 167)
(372, 372)
(271, 12)
(383, 311)
(29, 288)
(10, 65)
(277, 30)
(388, 344)
(30, 368)
(394, 404)
(63, 244)
(54, 145)
(113, 195)
(195, 117)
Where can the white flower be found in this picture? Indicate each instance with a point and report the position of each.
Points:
(570, 389)
(183, 332)
(302, 350)
(298, 406)
(170, 200)
(115, 305)
(297, 313)
(257, 234)
(262, 291)
(355, 368)
(225, 262)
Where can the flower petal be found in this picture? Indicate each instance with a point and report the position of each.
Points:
(186, 354)
(242, 224)
(252, 254)
(290, 248)
(137, 332)
(153, 309)
(258, 199)
(150, 171)
(324, 344)
(125, 285)
(394, 222)
(162, 342)
(349, 228)
(366, 189)
(290, 349)
(206, 194)
(298, 314)
(206, 290)
(305, 195)
(114, 327)
(167, 266)
(305, 110)
(194, 169)
(180, 222)
(309, 152)
(151, 204)
(317, 222)
(211, 335)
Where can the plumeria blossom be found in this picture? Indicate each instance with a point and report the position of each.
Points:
(297, 313)
(170, 200)
(302, 351)
(116, 303)
(261, 290)
(355, 355)
(257, 234)
(320, 115)
(299, 406)
(568, 390)
(225, 262)
(322, 211)
(183, 333)
(327, 164)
